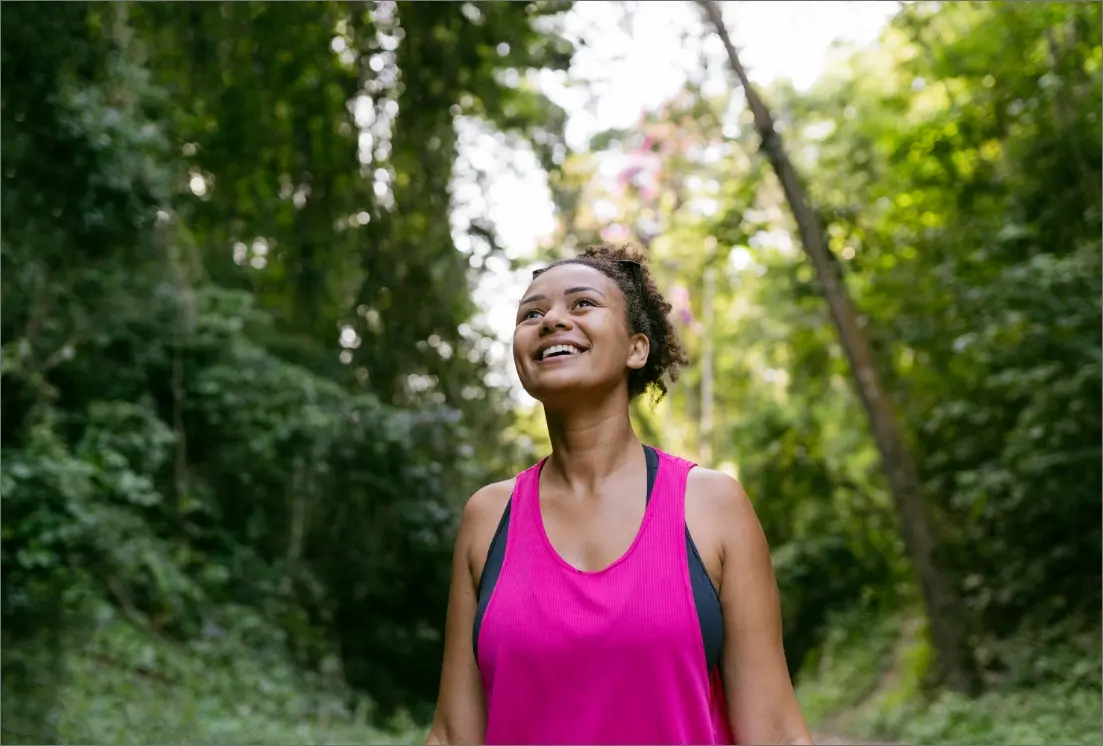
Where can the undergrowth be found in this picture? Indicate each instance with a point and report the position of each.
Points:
(868, 682)
(125, 686)
(122, 685)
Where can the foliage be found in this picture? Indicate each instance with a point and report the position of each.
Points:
(870, 676)
(244, 391)
(228, 409)
(972, 224)
(960, 188)
(223, 689)
(119, 680)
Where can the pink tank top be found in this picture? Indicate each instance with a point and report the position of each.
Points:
(608, 657)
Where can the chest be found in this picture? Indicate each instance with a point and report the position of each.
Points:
(590, 536)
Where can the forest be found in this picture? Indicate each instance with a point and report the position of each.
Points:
(250, 371)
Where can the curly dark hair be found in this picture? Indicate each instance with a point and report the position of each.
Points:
(648, 313)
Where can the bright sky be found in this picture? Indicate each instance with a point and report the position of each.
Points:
(635, 62)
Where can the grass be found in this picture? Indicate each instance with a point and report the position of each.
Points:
(1046, 714)
(125, 687)
(868, 684)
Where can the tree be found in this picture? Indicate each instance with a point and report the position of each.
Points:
(948, 630)
(230, 418)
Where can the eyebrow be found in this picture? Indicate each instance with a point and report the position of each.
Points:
(568, 291)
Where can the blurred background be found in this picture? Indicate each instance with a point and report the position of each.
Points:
(259, 268)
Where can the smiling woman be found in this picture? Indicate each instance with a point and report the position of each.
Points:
(611, 593)
(601, 279)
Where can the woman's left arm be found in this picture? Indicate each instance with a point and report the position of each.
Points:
(762, 707)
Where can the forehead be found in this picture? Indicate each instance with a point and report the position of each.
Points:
(563, 277)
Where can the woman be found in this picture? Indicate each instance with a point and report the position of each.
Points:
(612, 593)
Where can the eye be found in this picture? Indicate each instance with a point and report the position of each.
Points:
(589, 303)
(530, 314)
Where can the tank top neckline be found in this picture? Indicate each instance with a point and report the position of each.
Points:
(536, 514)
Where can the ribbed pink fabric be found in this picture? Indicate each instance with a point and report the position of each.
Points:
(608, 657)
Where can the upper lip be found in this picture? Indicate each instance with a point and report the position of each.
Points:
(555, 341)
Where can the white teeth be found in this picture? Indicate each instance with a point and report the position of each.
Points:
(569, 349)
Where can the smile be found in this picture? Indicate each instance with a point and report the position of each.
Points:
(559, 351)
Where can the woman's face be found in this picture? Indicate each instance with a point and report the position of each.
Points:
(572, 334)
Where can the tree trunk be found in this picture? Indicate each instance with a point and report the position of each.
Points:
(943, 605)
(708, 354)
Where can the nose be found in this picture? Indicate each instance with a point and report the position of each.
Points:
(554, 320)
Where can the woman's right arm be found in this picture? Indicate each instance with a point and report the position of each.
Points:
(461, 708)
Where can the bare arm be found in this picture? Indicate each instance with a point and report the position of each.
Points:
(460, 716)
(762, 706)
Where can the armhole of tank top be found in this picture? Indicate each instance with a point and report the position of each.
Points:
(706, 597)
(492, 568)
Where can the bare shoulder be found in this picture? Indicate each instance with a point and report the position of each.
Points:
(719, 491)
(488, 501)
(724, 499)
(745, 566)
(479, 521)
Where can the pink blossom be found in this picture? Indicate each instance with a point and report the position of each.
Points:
(615, 233)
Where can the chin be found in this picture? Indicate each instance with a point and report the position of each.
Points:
(565, 393)
(547, 393)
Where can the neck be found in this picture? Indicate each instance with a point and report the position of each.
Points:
(590, 444)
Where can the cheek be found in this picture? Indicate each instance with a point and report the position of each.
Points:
(521, 341)
(609, 335)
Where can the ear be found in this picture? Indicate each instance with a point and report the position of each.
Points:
(639, 348)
